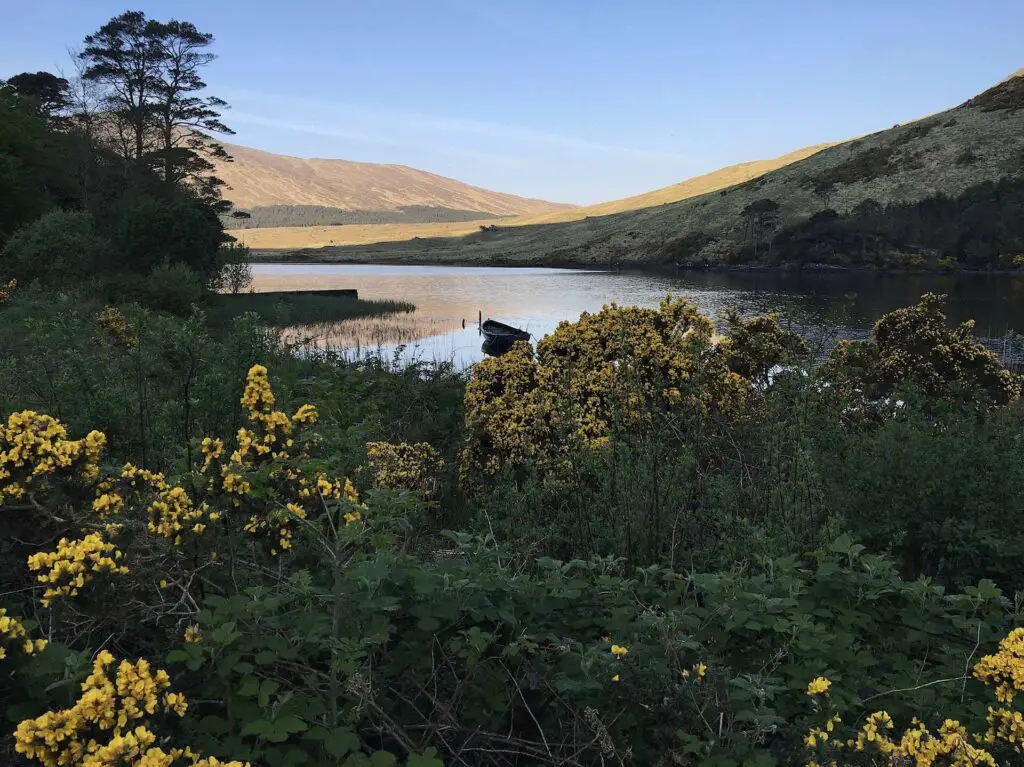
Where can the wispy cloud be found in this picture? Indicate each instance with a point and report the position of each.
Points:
(398, 127)
(320, 129)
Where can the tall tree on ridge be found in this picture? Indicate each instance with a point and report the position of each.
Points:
(185, 119)
(151, 73)
(124, 56)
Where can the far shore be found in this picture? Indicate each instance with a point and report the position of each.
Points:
(356, 255)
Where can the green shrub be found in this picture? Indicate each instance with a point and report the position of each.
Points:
(174, 287)
(60, 248)
(147, 231)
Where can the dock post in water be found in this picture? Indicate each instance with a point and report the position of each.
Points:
(480, 320)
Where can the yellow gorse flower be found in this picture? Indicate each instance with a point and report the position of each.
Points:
(262, 450)
(609, 370)
(619, 651)
(1005, 669)
(951, 744)
(306, 414)
(75, 564)
(108, 725)
(34, 446)
(108, 504)
(14, 634)
(818, 686)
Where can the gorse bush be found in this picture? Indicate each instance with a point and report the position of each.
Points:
(620, 370)
(915, 347)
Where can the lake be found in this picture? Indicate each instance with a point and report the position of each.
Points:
(537, 299)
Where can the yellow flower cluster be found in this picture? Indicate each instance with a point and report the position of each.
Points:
(1005, 669)
(697, 672)
(952, 744)
(114, 322)
(405, 466)
(13, 632)
(818, 686)
(212, 449)
(921, 747)
(172, 512)
(74, 564)
(113, 707)
(619, 651)
(306, 415)
(262, 450)
(33, 445)
(818, 735)
(6, 290)
(107, 504)
(258, 396)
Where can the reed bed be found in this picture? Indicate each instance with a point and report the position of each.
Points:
(367, 332)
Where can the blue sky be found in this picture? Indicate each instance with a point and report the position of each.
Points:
(569, 100)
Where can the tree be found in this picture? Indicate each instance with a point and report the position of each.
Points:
(236, 270)
(762, 219)
(824, 190)
(124, 55)
(151, 74)
(50, 94)
(185, 119)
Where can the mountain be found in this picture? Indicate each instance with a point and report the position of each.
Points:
(902, 176)
(259, 179)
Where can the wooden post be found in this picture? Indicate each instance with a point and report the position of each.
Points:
(480, 319)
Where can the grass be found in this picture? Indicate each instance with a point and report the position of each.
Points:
(290, 308)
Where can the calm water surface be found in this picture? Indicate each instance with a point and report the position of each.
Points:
(818, 304)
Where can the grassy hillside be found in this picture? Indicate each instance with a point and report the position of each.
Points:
(946, 153)
(256, 178)
(692, 187)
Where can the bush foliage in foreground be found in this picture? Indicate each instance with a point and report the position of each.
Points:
(274, 585)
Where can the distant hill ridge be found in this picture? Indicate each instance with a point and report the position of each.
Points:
(259, 179)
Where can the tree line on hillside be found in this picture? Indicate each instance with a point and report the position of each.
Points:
(979, 229)
(107, 176)
(322, 215)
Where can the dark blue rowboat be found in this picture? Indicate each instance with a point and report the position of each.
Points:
(499, 337)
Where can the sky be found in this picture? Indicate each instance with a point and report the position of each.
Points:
(568, 100)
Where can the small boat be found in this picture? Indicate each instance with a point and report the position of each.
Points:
(499, 337)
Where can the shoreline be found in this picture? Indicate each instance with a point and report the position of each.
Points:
(300, 257)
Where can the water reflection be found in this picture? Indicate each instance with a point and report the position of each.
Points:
(538, 299)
